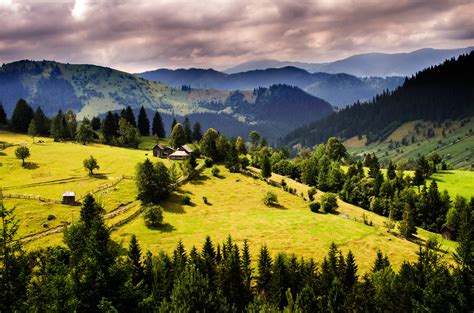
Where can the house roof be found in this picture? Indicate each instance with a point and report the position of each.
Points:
(186, 148)
(159, 147)
(179, 153)
(68, 194)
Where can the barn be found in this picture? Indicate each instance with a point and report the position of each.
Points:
(448, 232)
(69, 198)
(178, 155)
(161, 151)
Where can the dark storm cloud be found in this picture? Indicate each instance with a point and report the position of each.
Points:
(139, 35)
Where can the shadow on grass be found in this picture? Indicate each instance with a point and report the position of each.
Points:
(30, 166)
(2, 153)
(174, 204)
(164, 228)
(100, 176)
(438, 180)
(199, 180)
(277, 206)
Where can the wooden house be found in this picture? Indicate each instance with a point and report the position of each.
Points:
(69, 198)
(161, 151)
(178, 155)
(186, 148)
(448, 232)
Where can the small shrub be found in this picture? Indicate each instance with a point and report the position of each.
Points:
(329, 202)
(311, 193)
(153, 215)
(204, 198)
(244, 161)
(186, 199)
(270, 199)
(215, 171)
(314, 206)
(283, 183)
(208, 162)
(51, 217)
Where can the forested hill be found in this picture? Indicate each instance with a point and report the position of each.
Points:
(89, 90)
(438, 93)
(338, 89)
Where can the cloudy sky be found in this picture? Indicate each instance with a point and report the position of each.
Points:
(140, 35)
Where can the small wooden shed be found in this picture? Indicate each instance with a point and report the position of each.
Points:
(69, 198)
(448, 232)
(186, 148)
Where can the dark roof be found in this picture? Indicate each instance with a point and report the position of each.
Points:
(159, 147)
(448, 227)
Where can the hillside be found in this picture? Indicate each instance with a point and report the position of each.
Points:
(444, 92)
(452, 140)
(89, 90)
(338, 89)
(366, 64)
(290, 228)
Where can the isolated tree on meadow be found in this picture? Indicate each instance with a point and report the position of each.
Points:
(91, 164)
(158, 128)
(22, 153)
(143, 122)
(153, 215)
(153, 182)
(177, 137)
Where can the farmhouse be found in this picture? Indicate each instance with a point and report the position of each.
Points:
(178, 155)
(69, 198)
(162, 151)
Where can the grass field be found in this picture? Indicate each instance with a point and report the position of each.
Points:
(456, 182)
(236, 209)
(456, 146)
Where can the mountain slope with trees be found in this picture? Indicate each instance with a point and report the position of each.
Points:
(337, 89)
(89, 90)
(434, 94)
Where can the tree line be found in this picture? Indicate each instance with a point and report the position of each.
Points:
(92, 273)
(437, 93)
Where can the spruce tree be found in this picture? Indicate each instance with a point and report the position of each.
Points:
(96, 123)
(264, 266)
(32, 130)
(240, 146)
(109, 127)
(135, 255)
(3, 116)
(266, 167)
(407, 225)
(350, 275)
(21, 117)
(128, 115)
(187, 130)
(173, 124)
(143, 122)
(391, 170)
(197, 132)
(42, 122)
(158, 128)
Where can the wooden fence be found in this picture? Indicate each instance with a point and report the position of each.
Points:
(30, 197)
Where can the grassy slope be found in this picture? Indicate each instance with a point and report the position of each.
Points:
(455, 147)
(236, 208)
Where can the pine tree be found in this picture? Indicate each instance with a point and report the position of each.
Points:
(240, 146)
(197, 132)
(109, 127)
(158, 128)
(264, 276)
(32, 130)
(187, 130)
(21, 117)
(173, 124)
(96, 123)
(391, 170)
(135, 254)
(128, 115)
(350, 275)
(407, 225)
(143, 122)
(247, 272)
(381, 262)
(280, 281)
(266, 166)
(3, 116)
(177, 137)
(42, 122)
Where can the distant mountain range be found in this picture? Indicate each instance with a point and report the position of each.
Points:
(338, 89)
(443, 92)
(363, 65)
(90, 90)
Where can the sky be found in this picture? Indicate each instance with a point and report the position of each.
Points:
(141, 35)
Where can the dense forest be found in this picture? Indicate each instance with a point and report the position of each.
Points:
(438, 93)
(92, 273)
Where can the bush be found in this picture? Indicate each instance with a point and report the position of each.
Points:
(314, 206)
(186, 199)
(208, 162)
(51, 217)
(270, 199)
(204, 198)
(244, 161)
(153, 215)
(311, 193)
(329, 202)
(215, 171)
